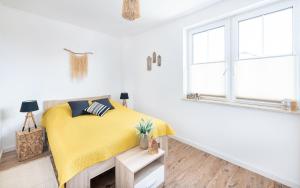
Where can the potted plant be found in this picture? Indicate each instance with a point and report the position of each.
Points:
(143, 129)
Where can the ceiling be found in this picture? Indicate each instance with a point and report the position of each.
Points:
(105, 15)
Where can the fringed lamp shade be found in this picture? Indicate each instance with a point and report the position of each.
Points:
(131, 9)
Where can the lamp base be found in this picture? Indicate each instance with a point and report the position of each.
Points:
(29, 118)
(124, 103)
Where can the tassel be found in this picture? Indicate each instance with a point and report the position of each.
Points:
(79, 66)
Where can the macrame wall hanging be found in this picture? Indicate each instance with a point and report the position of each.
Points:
(78, 64)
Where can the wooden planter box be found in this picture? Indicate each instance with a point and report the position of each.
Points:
(29, 144)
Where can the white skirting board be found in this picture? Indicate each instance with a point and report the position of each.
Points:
(236, 161)
(8, 149)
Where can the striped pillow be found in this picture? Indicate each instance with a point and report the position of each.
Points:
(97, 109)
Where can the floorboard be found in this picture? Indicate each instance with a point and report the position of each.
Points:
(10, 159)
(187, 167)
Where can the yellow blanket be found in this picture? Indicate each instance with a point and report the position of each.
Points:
(80, 142)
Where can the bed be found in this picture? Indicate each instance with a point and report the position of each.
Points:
(86, 146)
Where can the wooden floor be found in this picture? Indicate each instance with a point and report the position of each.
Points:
(10, 160)
(188, 167)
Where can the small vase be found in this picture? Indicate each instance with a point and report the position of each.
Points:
(144, 141)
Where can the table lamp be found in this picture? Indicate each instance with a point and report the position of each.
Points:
(29, 107)
(124, 96)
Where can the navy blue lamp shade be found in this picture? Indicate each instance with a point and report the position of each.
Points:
(29, 106)
(124, 96)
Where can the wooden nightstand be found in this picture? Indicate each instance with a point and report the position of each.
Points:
(29, 144)
(137, 168)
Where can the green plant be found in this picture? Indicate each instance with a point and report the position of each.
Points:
(144, 127)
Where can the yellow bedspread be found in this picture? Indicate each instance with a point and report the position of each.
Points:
(78, 143)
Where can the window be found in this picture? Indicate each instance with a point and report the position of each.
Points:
(265, 68)
(245, 58)
(208, 62)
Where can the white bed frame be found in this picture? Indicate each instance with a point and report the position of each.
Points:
(82, 179)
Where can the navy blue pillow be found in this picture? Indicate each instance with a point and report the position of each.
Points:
(78, 107)
(105, 102)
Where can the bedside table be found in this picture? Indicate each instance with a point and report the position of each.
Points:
(137, 168)
(29, 144)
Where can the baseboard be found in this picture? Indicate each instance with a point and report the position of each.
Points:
(237, 162)
(9, 148)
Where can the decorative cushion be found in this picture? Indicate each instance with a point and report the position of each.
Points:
(105, 102)
(78, 107)
(97, 109)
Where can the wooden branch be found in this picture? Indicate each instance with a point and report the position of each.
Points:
(76, 52)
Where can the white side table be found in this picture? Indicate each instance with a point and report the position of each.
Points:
(137, 168)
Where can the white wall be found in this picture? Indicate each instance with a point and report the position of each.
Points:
(1, 146)
(33, 65)
(266, 142)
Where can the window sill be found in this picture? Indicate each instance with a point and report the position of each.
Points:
(243, 105)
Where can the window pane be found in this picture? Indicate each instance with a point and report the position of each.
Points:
(266, 35)
(250, 38)
(209, 46)
(200, 47)
(216, 45)
(272, 78)
(208, 78)
(278, 30)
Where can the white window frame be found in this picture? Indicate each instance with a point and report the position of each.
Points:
(215, 25)
(232, 50)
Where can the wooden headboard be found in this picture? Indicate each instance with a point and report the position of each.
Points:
(51, 103)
